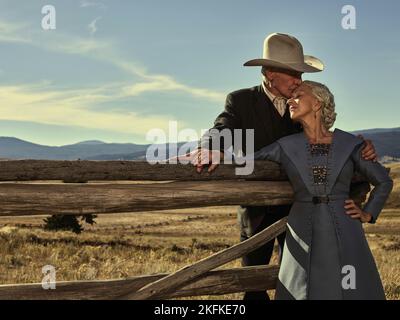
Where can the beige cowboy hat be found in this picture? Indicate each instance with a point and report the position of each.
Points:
(286, 52)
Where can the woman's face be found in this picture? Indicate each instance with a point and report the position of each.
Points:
(302, 102)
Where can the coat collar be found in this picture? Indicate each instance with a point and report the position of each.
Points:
(296, 146)
(343, 145)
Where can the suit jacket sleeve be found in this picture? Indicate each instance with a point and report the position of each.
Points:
(229, 119)
(378, 176)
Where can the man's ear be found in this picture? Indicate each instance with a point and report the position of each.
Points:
(270, 75)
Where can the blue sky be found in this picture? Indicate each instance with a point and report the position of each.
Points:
(113, 70)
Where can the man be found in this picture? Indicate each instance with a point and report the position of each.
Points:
(263, 108)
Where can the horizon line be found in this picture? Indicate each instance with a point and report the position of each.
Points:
(103, 142)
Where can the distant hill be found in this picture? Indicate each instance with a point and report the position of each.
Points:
(386, 141)
(376, 130)
(91, 142)
(141, 155)
(15, 148)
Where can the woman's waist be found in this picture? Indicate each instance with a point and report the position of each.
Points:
(316, 199)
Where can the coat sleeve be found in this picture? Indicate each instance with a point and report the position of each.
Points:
(272, 152)
(379, 177)
(228, 120)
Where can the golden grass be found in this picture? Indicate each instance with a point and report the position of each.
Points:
(146, 243)
(116, 246)
(394, 199)
(129, 244)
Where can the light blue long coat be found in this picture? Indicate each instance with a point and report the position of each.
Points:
(326, 254)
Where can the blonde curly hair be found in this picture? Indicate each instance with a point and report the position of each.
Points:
(322, 93)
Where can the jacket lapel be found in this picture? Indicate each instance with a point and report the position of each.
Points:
(296, 148)
(262, 103)
(343, 145)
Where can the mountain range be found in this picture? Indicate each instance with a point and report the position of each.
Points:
(386, 141)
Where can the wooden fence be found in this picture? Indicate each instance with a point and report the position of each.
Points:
(84, 187)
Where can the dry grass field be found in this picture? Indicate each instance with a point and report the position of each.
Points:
(130, 244)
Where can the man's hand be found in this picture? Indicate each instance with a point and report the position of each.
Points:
(355, 212)
(368, 152)
(205, 157)
(202, 157)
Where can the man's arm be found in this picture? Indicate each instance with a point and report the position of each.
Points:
(228, 120)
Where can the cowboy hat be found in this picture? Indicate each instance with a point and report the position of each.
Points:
(283, 51)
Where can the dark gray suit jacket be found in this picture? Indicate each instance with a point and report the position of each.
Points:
(252, 109)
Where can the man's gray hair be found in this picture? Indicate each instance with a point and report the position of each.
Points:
(264, 70)
(322, 93)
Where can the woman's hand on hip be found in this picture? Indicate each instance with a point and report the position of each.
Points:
(355, 212)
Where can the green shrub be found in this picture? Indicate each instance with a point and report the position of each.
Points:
(68, 222)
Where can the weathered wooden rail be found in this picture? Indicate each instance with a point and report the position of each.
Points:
(84, 170)
(218, 282)
(36, 187)
(167, 187)
(38, 199)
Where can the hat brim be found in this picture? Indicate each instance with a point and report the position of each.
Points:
(310, 64)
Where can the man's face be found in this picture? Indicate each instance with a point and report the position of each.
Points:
(285, 82)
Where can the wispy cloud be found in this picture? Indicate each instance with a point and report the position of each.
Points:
(105, 51)
(85, 4)
(12, 32)
(77, 106)
(42, 104)
(80, 46)
(92, 26)
(158, 82)
(168, 84)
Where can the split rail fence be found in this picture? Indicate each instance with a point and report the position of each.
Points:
(90, 187)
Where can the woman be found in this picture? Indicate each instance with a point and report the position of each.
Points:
(326, 254)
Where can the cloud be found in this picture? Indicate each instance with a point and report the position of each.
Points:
(105, 51)
(92, 26)
(171, 85)
(42, 104)
(77, 45)
(158, 82)
(86, 4)
(11, 32)
(77, 106)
